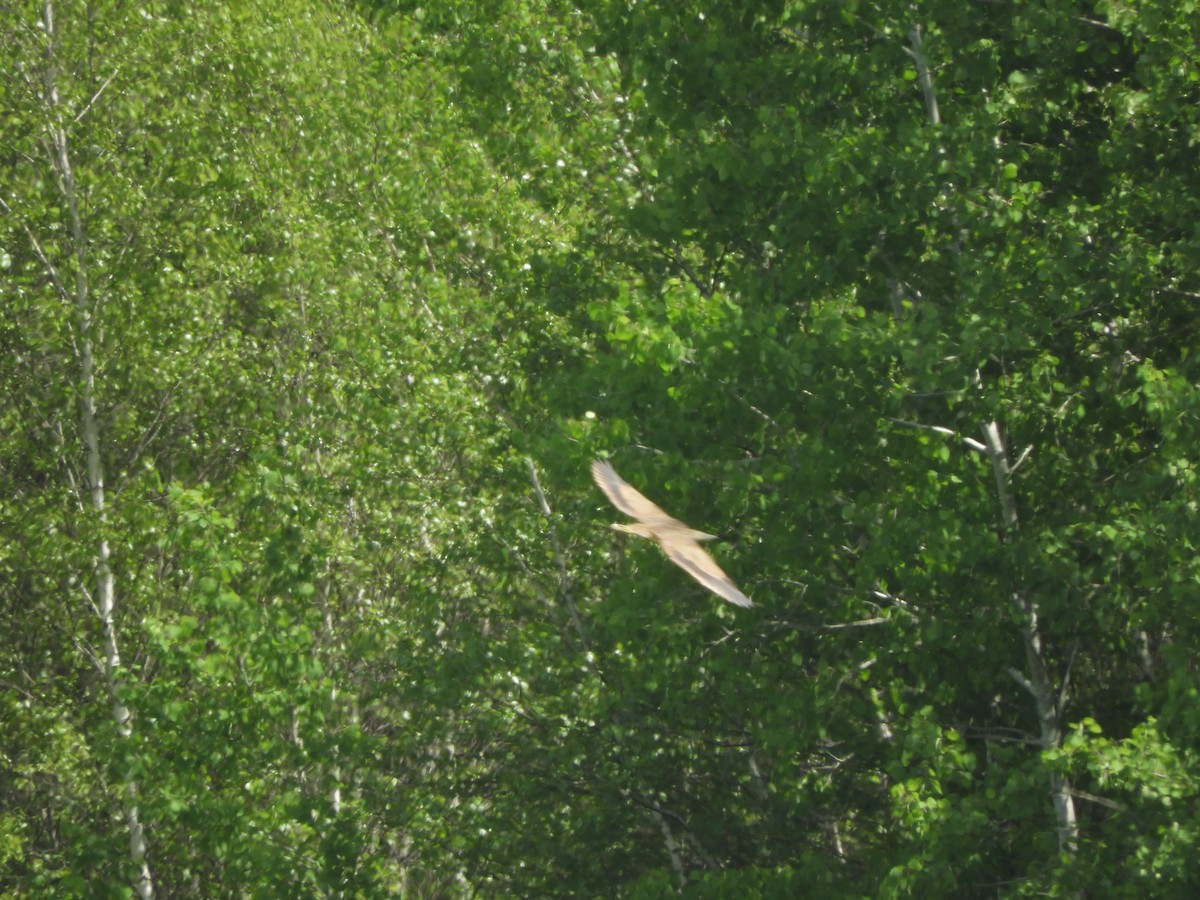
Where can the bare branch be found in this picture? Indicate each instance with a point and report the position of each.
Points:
(940, 429)
(96, 96)
(1019, 678)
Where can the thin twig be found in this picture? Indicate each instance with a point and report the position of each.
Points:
(96, 96)
(564, 578)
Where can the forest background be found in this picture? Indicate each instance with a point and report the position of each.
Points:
(314, 315)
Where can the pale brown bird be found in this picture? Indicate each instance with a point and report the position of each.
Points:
(679, 542)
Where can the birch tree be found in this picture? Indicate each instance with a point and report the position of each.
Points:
(66, 258)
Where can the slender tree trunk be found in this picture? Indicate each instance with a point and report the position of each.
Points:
(79, 296)
(1037, 681)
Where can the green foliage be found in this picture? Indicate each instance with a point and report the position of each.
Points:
(372, 285)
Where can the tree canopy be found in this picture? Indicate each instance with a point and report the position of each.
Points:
(316, 316)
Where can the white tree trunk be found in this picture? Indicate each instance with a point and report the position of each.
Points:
(1037, 681)
(79, 296)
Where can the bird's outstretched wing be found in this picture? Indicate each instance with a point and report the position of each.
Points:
(676, 539)
(625, 497)
(690, 557)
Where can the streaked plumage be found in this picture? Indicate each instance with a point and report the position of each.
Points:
(676, 539)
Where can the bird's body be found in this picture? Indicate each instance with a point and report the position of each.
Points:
(677, 540)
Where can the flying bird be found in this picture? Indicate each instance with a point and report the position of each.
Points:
(680, 543)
